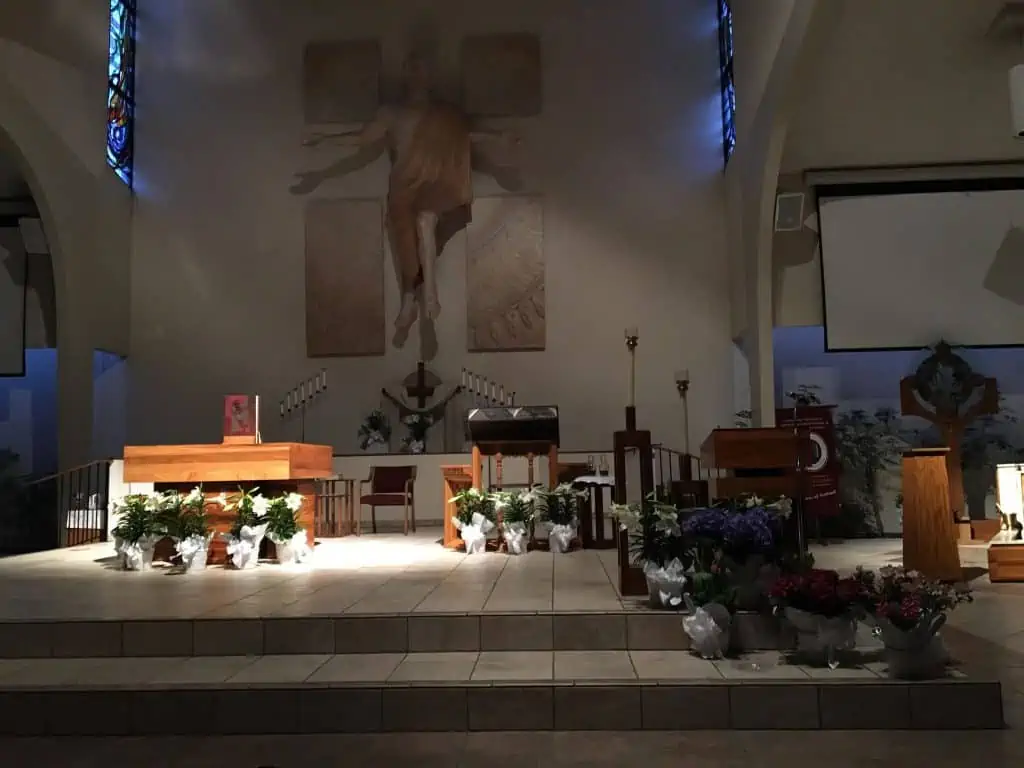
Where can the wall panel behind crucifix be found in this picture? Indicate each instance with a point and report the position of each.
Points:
(344, 278)
(505, 303)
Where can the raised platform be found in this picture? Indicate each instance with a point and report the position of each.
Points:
(469, 691)
(394, 633)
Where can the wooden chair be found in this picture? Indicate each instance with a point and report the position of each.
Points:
(389, 487)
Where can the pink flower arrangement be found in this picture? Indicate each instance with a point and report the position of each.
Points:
(906, 598)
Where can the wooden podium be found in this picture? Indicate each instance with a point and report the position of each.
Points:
(456, 477)
(275, 468)
(929, 533)
(761, 461)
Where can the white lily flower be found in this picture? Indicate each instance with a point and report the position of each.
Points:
(221, 499)
(260, 505)
(293, 501)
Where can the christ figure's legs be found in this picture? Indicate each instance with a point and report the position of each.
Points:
(426, 229)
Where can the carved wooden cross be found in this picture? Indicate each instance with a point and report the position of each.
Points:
(977, 396)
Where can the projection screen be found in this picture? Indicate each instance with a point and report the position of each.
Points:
(901, 270)
(12, 303)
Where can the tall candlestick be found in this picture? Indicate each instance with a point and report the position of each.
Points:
(501, 394)
(494, 391)
(463, 378)
(282, 409)
(323, 381)
(632, 338)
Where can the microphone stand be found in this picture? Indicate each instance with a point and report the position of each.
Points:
(798, 502)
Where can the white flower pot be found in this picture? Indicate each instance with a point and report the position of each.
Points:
(292, 551)
(560, 537)
(244, 550)
(193, 552)
(474, 534)
(137, 555)
(708, 628)
(916, 654)
(516, 538)
(665, 585)
(825, 635)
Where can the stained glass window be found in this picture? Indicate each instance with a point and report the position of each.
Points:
(121, 88)
(728, 84)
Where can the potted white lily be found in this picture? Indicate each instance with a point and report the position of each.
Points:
(189, 526)
(474, 513)
(283, 529)
(515, 509)
(138, 529)
(560, 512)
(243, 542)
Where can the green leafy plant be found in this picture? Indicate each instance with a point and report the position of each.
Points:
(250, 509)
(471, 501)
(560, 505)
(375, 429)
(138, 518)
(193, 519)
(652, 528)
(282, 516)
(514, 506)
(867, 444)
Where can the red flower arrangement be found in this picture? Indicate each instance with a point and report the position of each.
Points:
(907, 598)
(822, 592)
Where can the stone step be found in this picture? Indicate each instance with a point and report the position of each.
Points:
(561, 690)
(373, 633)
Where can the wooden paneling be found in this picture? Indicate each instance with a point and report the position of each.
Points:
(929, 533)
(220, 463)
(1006, 562)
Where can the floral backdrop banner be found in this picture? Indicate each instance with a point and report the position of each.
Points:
(821, 497)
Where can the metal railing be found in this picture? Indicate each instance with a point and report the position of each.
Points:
(65, 509)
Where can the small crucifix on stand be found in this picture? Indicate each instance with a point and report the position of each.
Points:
(946, 391)
(419, 388)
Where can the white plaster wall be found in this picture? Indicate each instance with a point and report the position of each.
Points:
(907, 82)
(110, 398)
(627, 154)
(928, 88)
(53, 91)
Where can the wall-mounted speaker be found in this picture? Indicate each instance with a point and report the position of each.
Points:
(33, 237)
(789, 211)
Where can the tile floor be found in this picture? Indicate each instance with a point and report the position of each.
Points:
(382, 668)
(387, 573)
(988, 635)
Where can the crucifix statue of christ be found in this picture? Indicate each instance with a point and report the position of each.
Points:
(946, 391)
(430, 192)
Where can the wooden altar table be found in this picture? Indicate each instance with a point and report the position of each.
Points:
(275, 468)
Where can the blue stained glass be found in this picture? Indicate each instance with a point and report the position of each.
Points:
(121, 89)
(727, 81)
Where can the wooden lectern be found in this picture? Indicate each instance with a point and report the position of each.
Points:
(274, 468)
(456, 477)
(929, 533)
(761, 461)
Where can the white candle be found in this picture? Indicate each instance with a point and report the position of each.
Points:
(494, 391)
(323, 381)
(282, 409)
(501, 394)
(463, 378)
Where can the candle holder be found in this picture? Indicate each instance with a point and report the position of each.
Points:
(632, 340)
(683, 387)
(300, 397)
